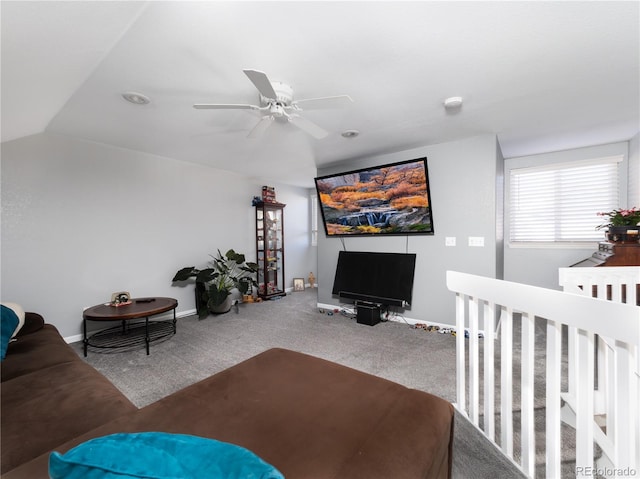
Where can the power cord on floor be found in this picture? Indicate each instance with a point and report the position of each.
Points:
(346, 312)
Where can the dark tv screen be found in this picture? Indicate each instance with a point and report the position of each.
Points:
(384, 278)
(392, 199)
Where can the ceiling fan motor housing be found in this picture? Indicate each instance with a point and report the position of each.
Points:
(284, 95)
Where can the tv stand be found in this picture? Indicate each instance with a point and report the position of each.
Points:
(367, 313)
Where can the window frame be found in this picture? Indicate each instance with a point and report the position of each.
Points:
(313, 217)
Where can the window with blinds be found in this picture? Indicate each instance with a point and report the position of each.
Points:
(559, 203)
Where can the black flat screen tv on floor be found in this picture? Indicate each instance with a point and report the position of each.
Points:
(392, 199)
(384, 279)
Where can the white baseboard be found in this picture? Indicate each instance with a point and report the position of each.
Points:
(79, 337)
(73, 339)
(306, 286)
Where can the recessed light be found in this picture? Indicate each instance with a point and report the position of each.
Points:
(350, 133)
(136, 98)
(453, 102)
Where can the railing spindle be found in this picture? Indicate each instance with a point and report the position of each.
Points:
(553, 446)
(474, 361)
(489, 370)
(506, 379)
(461, 368)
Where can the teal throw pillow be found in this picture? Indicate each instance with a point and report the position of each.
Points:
(158, 455)
(9, 324)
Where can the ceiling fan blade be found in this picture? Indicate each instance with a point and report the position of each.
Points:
(325, 102)
(308, 127)
(262, 83)
(208, 106)
(261, 127)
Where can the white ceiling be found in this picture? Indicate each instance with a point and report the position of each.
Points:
(542, 76)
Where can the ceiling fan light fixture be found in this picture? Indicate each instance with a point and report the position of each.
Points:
(350, 133)
(136, 98)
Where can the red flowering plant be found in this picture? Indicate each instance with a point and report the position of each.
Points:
(621, 217)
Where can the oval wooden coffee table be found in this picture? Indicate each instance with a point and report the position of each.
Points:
(132, 331)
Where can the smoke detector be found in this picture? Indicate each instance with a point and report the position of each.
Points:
(453, 102)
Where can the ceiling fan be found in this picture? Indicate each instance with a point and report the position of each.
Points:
(277, 104)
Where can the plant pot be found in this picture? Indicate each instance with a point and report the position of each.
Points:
(200, 290)
(225, 307)
(201, 298)
(623, 234)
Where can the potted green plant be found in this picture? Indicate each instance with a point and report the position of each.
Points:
(623, 224)
(215, 283)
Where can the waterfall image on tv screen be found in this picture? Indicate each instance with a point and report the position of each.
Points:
(383, 200)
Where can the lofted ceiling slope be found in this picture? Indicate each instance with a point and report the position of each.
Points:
(542, 76)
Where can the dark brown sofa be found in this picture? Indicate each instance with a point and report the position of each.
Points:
(310, 418)
(49, 394)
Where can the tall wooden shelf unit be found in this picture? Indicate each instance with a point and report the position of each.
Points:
(270, 249)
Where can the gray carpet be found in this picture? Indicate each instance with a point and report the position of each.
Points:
(413, 357)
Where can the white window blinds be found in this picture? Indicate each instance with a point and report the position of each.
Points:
(559, 203)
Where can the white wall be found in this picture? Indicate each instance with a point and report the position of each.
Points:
(539, 266)
(81, 220)
(465, 203)
(300, 257)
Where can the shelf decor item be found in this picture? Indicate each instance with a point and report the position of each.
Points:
(298, 284)
(121, 298)
(268, 194)
(623, 225)
(215, 283)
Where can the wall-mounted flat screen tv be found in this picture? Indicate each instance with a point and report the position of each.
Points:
(390, 199)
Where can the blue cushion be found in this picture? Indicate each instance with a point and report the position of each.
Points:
(9, 324)
(158, 455)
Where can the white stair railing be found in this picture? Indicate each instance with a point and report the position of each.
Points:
(479, 301)
(618, 284)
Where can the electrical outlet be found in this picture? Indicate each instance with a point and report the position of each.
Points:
(450, 241)
(476, 241)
